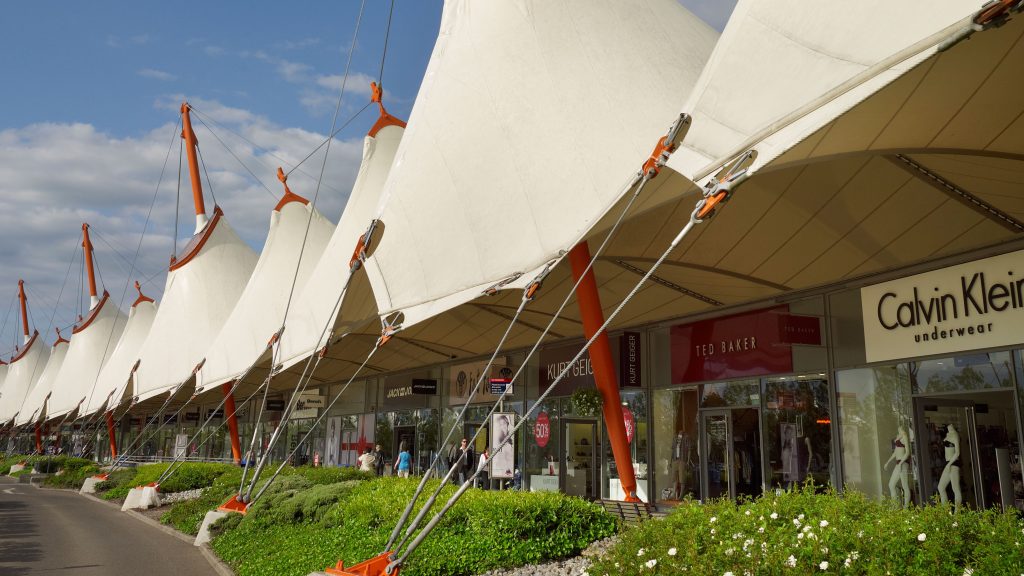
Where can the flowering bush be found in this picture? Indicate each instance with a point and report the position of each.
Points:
(587, 401)
(801, 532)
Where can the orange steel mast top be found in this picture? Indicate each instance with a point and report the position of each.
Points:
(87, 250)
(191, 145)
(24, 308)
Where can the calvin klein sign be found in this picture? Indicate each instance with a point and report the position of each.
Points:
(975, 305)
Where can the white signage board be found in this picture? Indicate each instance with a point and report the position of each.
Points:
(503, 460)
(970, 306)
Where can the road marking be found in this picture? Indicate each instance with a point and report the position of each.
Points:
(11, 491)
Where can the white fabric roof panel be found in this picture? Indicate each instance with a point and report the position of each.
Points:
(91, 345)
(22, 373)
(531, 119)
(315, 306)
(34, 407)
(199, 295)
(116, 373)
(261, 309)
(784, 68)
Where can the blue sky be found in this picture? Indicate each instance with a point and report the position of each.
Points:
(91, 96)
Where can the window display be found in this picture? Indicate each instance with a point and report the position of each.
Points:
(676, 462)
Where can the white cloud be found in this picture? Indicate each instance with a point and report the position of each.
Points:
(53, 177)
(157, 74)
(213, 50)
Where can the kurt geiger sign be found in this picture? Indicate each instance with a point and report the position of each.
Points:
(975, 305)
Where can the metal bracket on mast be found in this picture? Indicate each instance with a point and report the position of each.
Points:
(996, 13)
(363, 247)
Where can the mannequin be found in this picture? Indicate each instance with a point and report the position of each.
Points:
(951, 473)
(901, 456)
(678, 465)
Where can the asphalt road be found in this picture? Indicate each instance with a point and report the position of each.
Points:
(45, 531)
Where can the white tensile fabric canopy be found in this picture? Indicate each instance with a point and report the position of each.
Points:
(116, 373)
(532, 119)
(34, 407)
(784, 68)
(202, 288)
(316, 307)
(22, 373)
(4, 368)
(260, 311)
(92, 343)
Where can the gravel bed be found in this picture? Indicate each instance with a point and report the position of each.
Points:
(575, 566)
(173, 497)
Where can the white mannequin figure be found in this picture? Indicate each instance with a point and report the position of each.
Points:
(900, 455)
(951, 473)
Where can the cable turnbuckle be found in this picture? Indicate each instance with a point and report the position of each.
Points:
(666, 145)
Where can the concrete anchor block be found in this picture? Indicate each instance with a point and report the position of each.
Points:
(16, 468)
(204, 530)
(89, 486)
(142, 497)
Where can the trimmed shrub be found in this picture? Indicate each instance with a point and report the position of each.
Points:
(296, 531)
(800, 532)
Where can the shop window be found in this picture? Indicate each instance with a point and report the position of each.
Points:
(542, 447)
(676, 459)
(736, 393)
(634, 406)
(979, 371)
(877, 434)
(797, 431)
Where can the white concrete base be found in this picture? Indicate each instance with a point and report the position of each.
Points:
(143, 497)
(89, 486)
(204, 530)
(16, 468)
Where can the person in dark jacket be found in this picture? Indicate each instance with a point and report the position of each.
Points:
(379, 459)
(468, 460)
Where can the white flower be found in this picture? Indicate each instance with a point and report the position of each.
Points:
(712, 530)
(800, 536)
(812, 535)
(651, 563)
(728, 574)
(800, 517)
(823, 565)
(747, 513)
(847, 562)
(791, 561)
(823, 523)
(807, 529)
(713, 518)
(640, 552)
(922, 537)
(760, 530)
(729, 551)
(796, 522)
(672, 551)
(774, 516)
(968, 571)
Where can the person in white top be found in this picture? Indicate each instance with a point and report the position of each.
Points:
(366, 461)
(481, 468)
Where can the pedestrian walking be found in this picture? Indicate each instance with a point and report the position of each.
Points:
(379, 459)
(403, 462)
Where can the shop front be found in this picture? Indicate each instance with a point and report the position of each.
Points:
(567, 447)
(741, 404)
(407, 417)
(929, 385)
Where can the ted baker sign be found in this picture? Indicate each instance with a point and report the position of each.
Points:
(975, 305)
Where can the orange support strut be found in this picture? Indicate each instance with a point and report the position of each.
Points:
(193, 164)
(604, 368)
(24, 307)
(229, 412)
(39, 439)
(111, 435)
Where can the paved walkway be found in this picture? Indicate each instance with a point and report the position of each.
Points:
(45, 531)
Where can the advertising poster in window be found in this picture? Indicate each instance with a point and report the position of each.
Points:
(333, 441)
(503, 462)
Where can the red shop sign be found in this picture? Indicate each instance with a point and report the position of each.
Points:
(627, 416)
(751, 344)
(542, 429)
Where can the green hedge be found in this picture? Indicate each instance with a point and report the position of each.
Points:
(801, 532)
(189, 476)
(296, 529)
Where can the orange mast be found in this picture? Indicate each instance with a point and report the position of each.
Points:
(193, 165)
(87, 249)
(24, 308)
